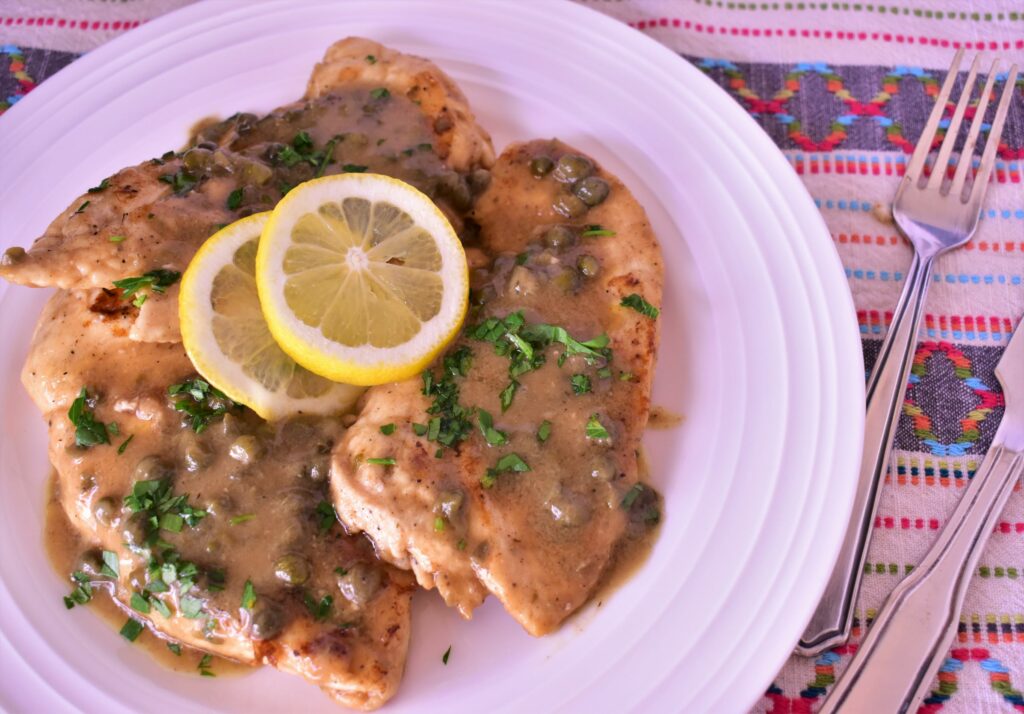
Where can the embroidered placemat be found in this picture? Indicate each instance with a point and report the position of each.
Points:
(844, 89)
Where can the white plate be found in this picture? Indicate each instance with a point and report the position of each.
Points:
(760, 353)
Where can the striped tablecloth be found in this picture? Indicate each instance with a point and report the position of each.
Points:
(843, 87)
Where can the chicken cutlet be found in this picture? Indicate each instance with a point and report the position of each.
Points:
(218, 523)
(511, 467)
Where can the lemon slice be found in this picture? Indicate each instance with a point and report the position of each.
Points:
(361, 278)
(227, 339)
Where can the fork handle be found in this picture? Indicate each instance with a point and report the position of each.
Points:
(830, 625)
(908, 642)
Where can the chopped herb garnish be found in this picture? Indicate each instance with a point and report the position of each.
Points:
(387, 429)
(284, 188)
(508, 394)
(341, 571)
(155, 280)
(595, 429)
(419, 429)
(248, 595)
(509, 463)
(371, 59)
(159, 606)
(631, 496)
(116, 239)
(131, 629)
(204, 666)
(494, 437)
(322, 158)
(88, 431)
(604, 373)
(580, 383)
(446, 655)
(425, 146)
(319, 610)
(626, 376)
(201, 401)
(382, 461)
(111, 565)
(175, 648)
(241, 518)
(139, 603)
(438, 524)
(521, 258)
(102, 187)
(160, 509)
(544, 431)
(595, 231)
(439, 453)
(354, 168)
(124, 444)
(451, 422)
(380, 93)
(113, 429)
(191, 607)
(593, 349)
(325, 516)
(461, 545)
(235, 199)
(303, 142)
(181, 181)
(81, 593)
(82, 207)
(637, 303)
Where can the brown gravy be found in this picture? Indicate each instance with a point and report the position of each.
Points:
(64, 547)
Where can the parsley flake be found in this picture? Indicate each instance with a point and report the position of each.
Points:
(181, 181)
(380, 93)
(596, 231)
(204, 666)
(131, 629)
(200, 401)
(382, 461)
(124, 444)
(387, 429)
(235, 199)
(446, 655)
(371, 59)
(111, 565)
(102, 186)
(175, 648)
(116, 239)
(319, 610)
(325, 516)
(88, 430)
(492, 436)
(139, 603)
(248, 595)
(580, 383)
(155, 280)
(636, 302)
(595, 429)
(354, 168)
(82, 207)
(544, 431)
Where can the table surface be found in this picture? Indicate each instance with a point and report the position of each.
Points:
(844, 88)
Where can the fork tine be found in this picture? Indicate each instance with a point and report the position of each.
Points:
(967, 153)
(942, 161)
(924, 144)
(988, 159)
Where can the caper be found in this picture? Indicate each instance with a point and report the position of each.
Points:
(571, 168)
(602, 470)
(196, 159)
(208, 145)
(443, 123)
(134, 532)
(591, 190)
(455, 188)
(359, 584)
(256, 173)
(559, 237)
(569, 206)
(541, 166)
(569, 509)
(479, 180)
(106, 511)
(566, 279)
(14, 254)
(318, 470)
(449, 503)
(213, 546)
(230, 425)
(267, 620)
(246, 449)
(197, 454)
(90, 563)
(588, 265)
(152, 468)
(292, 569)
(522, 281)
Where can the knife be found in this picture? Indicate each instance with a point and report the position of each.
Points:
(908, 642)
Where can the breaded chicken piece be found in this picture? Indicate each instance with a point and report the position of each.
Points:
(531, 505)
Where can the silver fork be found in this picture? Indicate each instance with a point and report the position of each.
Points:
(936, 216)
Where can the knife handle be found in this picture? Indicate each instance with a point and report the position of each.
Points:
(908, 642)
(829, 626)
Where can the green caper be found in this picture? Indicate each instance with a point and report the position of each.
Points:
(196, 159)
(292, 569)
(359, 584)
(14, 254)
(230, 425)
(213, 546)
(559, 237)
(246, 449)
(449, 503)
(455, 188)
(541, 166)
(571, 168)
(588, 265)
(602, 469)
(566, 279)
(90, 563)
(255, 173)
(591, 190)
(569, 509)
(106, 511)
(479, 180)
(208, 145)
(267, 620)
(152, 468)
(569, 206)
(197, 454)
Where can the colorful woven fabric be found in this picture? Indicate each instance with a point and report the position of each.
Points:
(843, 88)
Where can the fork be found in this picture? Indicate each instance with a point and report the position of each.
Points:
(936, 216)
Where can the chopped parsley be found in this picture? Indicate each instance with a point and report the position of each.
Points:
(88, 431)
(241, 518)
(139, 603)
(102, 187)
(116, 239)
(580, 383)
(191, 607)
(124, 444)
(235, 199)
(175, 648)
(371, 59)
(319, 610)
(322, 158)
(81, 593)
(201, 401)
(604, 373)
(325, 516)
(82, 207)
(450, 422)
(508, 394)
(494, 437)
(111, 565)
(521, 258)
(354, 168)
(446, 655)
(438, 524)
(387, 429)
(160, 509)
(544, 431)
(596, 231)
(595, 429)
(379, 93)
(155, 280)
(159, 606)
(248, 595)
(636, 302)
(382, 461)
(131, 629)
(204, 666)
(419, 429)
(181, 181)
(626, 376)
(642, 503)
(461, 545)
(509, 463)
